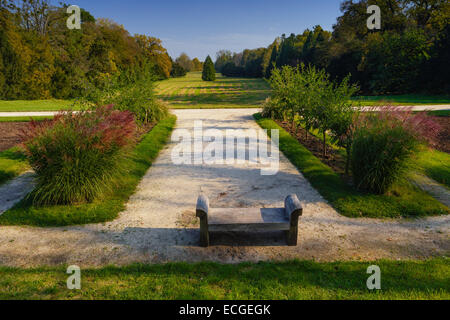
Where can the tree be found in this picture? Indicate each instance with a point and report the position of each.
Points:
(184, 61)
(222, 58)
(177, 70)
(209, 72)
(197, 65)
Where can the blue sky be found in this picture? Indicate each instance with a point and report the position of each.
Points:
(200, 27)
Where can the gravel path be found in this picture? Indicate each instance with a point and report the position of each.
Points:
(159, 224)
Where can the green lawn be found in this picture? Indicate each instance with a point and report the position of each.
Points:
(406, 200)
(107, 207)
(192, 92)
(35, 105)
(12, 163)
(405, 100)
(23, 119)
(295, 280)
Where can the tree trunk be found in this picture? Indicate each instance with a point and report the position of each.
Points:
(324, 144)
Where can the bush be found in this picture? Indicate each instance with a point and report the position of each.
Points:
(384, 142)
(76, 155)
(271, 108)
(177, 71)
(140, 99)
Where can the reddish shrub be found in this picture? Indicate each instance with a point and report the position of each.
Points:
(76, 154)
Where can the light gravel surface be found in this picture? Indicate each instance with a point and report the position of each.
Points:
(159, 223)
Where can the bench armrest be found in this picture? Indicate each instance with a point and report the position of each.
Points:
(202, 206)
(293, 207)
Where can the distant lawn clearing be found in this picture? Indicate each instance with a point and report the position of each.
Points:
(191, 92)
(296, 280)
(107, 207)
(405, 201)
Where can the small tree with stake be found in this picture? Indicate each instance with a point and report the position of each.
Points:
(209, 72)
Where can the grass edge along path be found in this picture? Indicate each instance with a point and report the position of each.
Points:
(406, 201)
(12, 164)
(107, 207)
(292, 280)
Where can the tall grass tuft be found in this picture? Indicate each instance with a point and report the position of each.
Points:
(76, 155)
(384, 142)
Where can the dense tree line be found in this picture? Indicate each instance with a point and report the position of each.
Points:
(409, 54)
(41, 58)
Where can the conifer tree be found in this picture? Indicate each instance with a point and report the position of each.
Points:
(209, 72)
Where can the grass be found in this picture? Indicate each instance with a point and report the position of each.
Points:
(436, 165)
(294, 280)
(35, 105)
(406, 99)
(12, 163)
(440, 113)
(23, 119)
(405, 200)
(192, 92)
(105, 208)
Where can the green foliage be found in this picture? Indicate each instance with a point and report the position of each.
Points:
(409, 54)
(405, 201)
(306, 95)
(384, 143)
(177, 71)
(140, 99)
(76, 155)
(108, 206)
(40, 58)
(380, 155)
(209, 72)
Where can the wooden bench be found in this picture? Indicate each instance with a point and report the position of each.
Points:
(254, 219)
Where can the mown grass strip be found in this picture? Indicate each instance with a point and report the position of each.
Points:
(109, 205)
(405, 199)
(12, 163)
(24, 119)
(295, 280)
(35, 105)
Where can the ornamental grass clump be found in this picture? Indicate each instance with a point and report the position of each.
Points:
(76, 155)
(384, 143)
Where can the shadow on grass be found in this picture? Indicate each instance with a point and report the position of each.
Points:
(266, 280)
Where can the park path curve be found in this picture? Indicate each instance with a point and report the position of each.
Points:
(158, 224)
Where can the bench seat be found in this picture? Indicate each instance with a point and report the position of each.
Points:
(249, 219)
(252, 219)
